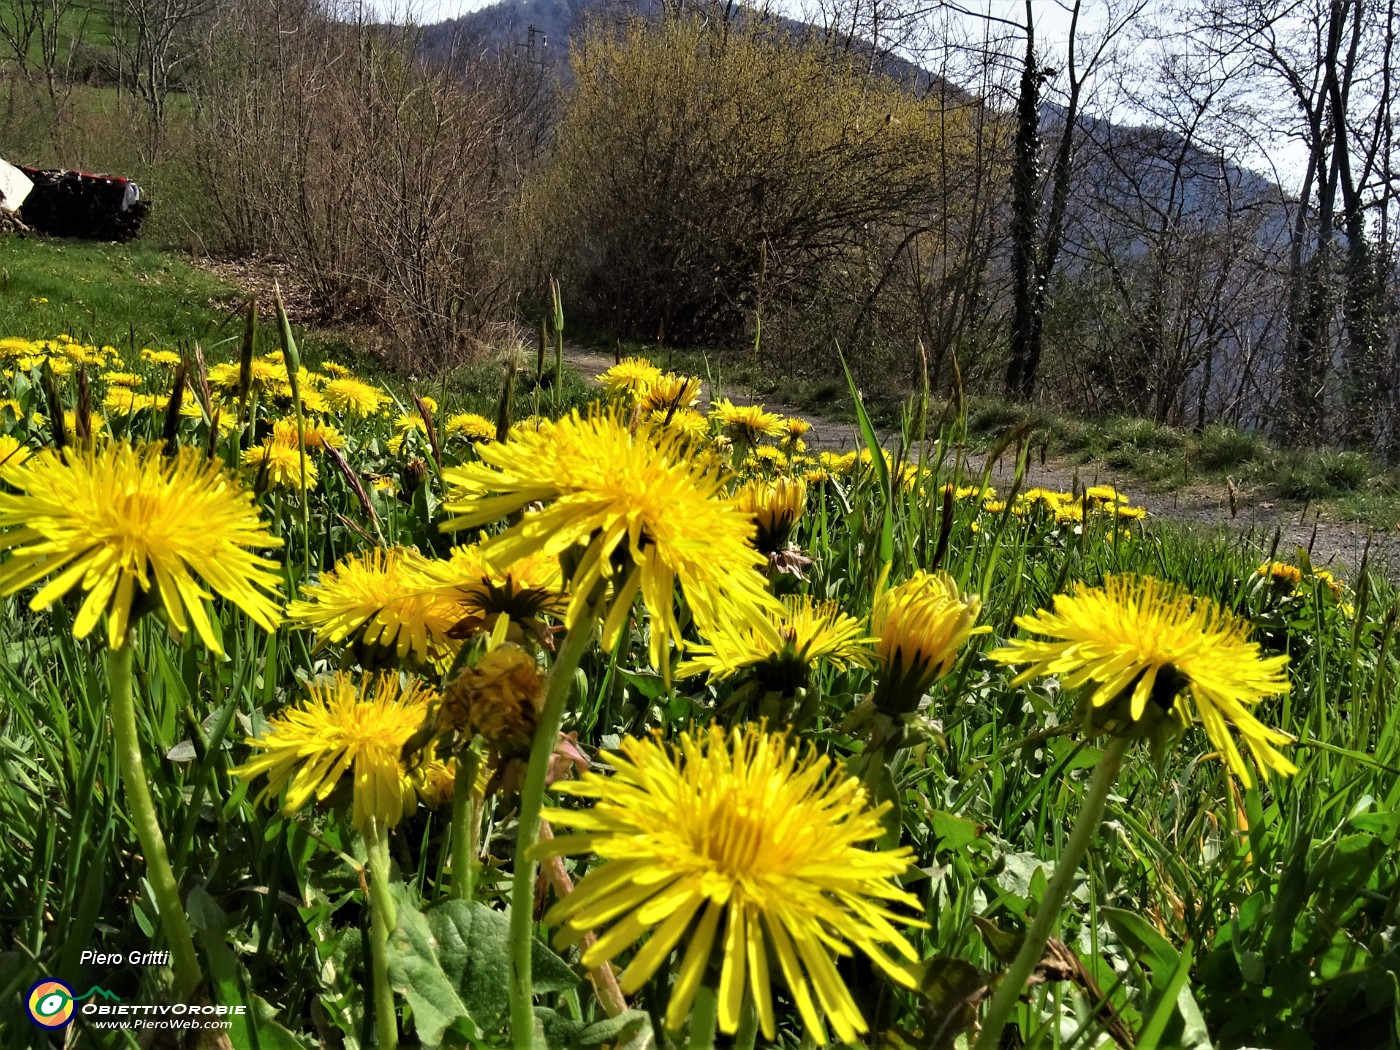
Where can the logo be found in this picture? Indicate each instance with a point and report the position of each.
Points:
(50, 1002)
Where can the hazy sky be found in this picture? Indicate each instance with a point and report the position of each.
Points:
(424, 12)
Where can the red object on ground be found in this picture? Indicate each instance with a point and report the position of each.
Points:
(80, 204)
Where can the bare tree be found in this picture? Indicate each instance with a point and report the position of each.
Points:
(1036, 242)
(1332, 62)
(30, 30)
(1176, 239)
(385, 180)
(154, 41)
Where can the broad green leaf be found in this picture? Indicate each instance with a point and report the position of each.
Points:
(452, 962)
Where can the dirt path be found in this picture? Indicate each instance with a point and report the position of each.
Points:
(1206, 509)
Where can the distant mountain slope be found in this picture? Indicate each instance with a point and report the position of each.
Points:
(507, 26)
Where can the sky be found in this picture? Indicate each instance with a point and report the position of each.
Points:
(424, 12)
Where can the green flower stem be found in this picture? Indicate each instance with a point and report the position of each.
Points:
(293, 362)
(522, 894)
(464, 825)
(143, 816)
(704, 1017)
(382, 918)
(1013, 982)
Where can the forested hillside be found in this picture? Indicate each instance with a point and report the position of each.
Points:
(1091, 227)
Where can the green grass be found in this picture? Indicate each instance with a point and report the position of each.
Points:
(1197, 901)
(81, 23)
(122, 294)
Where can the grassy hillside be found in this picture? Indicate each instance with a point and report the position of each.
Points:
(137, 294)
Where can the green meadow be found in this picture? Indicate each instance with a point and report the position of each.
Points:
(680, 735)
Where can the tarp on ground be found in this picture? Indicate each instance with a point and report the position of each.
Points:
(14, 187)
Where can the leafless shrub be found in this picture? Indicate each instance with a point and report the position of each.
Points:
(382, 179)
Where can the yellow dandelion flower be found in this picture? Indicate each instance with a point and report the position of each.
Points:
(1331, 582)
(471, 427)
(1048, 498)
(530, 425)
(845, 464)
(281, 465)
(636, 505)
(354, 397)
(740, 848)
(685, 421)
(167, 358)
(795, 429)
(993, 506)
(121, 379)
(629, 377)
(312, 400)
(1104, 494)
(269, 373)
(749, 422)
(97, 422)
(314, 435)
(336, 369)
(223, 377)
(346, 723)
(1281, 572)
(132, 527)
(125, 401)
(1129, 513)
(384, 601)
(434, 781)
(920, 626)
(525, 590)
(190, 408)
(768, 456)
(810, 633)
(1147, 645)
(669, 392)
(83, 354)
(776, 506)
(968, 492)
(407, 423)
(13, 453)
(13, 346)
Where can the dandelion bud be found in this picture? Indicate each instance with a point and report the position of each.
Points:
(500, 698)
